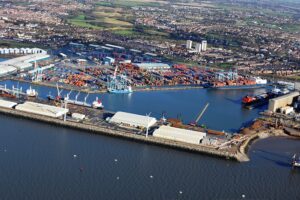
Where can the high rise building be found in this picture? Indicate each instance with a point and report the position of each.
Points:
(204, 45)
(198, 47)
(189, 44)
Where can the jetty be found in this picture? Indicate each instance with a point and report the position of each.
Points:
(107, 129)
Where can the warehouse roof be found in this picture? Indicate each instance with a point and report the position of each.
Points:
(182, 135)
(7, 104)
(6, 69)
(42, 109)
(292, 94)
(20, 63)
(152, 65)
(133, 119)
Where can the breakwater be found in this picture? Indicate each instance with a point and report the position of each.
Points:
(122, 134)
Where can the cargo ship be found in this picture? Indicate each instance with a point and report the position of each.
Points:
(31, 92)
(6, 94)
(295, 161)
(53, 98)
(238, 83)
(251, 102)
(97, 104)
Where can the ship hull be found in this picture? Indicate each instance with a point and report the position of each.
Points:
(259, 102)
(119, 91)
(239, 87)
(256, 104)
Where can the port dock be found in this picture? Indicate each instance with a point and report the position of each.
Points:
(106, 129)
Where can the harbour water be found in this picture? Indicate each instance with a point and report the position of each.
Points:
(224, 112)
(40, 161)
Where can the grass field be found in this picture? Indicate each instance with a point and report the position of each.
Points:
(116, 17)
(80, 20)
(130, 3)
(17, 44)
(225, 65)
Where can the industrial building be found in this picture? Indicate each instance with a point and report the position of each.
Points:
(203, 45)
(189, 44)
(42, 109)
(20, 63)
(115, 46)
(21, 51)
(198, 48)
(7, 104)
(152, 66)
(282, 101)
(133, 120)
(108, 60)
(177, 134)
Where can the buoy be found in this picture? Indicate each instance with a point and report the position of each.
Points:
(243, 196)
(74, 156)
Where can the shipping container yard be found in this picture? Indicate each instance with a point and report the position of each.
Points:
(171, 132)
(84, 69)
(99, 68)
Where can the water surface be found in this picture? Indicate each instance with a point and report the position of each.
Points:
(37, 162)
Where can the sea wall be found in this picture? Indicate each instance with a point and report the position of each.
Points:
(104, 130)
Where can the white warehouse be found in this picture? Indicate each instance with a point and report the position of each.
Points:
(20, 63)
(181, 135)
(42, 109)
(7, 104)
(133, 120)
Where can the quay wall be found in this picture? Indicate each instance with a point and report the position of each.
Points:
(74, 88)
(121, 134)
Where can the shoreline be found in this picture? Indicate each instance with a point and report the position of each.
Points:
(124, 135)
(74, 88)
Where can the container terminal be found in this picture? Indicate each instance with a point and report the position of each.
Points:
(85, 73)
(166, 132)
(110, 68)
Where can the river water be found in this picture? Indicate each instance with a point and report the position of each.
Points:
(38, 162)
(224, 112)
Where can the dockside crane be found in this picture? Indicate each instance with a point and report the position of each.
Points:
(200, 115)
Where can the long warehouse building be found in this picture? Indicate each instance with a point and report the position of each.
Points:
(21, 63)
(42, 109)
(133, 120)
(178, 134)
(282, 101)
(7, 104)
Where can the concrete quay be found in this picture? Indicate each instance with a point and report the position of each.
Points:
(104, 130)
(87, 90)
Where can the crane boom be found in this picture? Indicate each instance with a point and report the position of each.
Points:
(200, 115)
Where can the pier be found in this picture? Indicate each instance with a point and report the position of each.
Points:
(119, 133)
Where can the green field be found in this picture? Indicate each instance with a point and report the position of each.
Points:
(80, 20)
(115, 16)
(225, 65)
(128, 3)
(17, 44)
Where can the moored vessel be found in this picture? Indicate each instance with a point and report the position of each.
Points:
(251, 102)
(31, 92)
(295, 161)
(97, 104)
(6, 94)
(231, 80)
